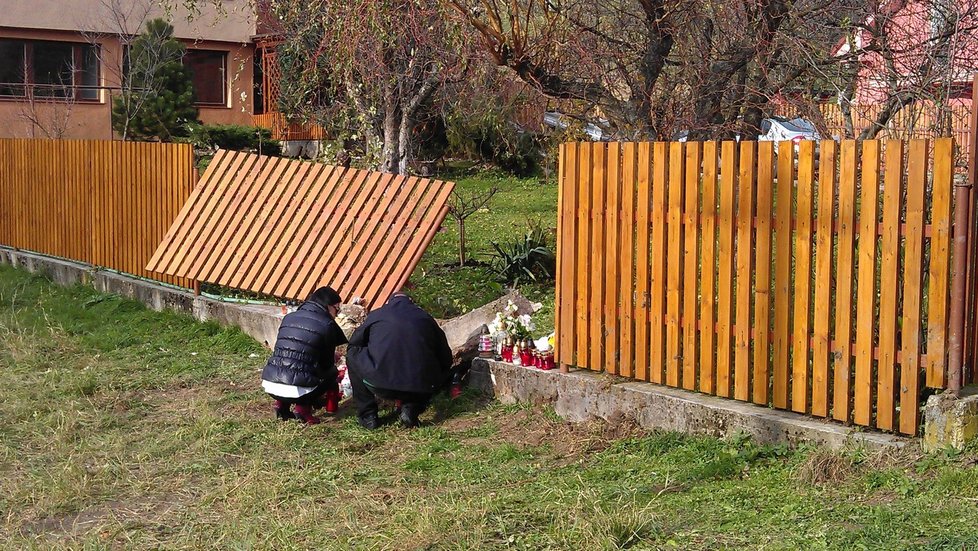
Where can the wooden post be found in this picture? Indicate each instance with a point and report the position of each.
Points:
(969, 333)
(196, 287)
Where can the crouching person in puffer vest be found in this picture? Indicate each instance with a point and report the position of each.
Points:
(302, 369)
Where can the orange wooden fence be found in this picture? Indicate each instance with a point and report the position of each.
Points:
(282, 129)
(283, 227)
(919, 120)
(105, 203)
(816, 283)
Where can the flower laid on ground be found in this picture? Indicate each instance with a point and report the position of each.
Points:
(509, 323)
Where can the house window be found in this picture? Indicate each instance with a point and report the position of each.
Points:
(12, 73)
(49, 69)
(209, 70)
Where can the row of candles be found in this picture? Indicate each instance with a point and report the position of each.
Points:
(517, 352)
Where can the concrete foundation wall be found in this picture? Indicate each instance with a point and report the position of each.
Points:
(581, 395)
(259, 322)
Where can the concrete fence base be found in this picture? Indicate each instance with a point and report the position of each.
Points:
(259, 322)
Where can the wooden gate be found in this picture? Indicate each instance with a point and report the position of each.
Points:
(816, 281)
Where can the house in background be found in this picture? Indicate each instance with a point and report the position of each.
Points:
(933, 57)
(61, 62)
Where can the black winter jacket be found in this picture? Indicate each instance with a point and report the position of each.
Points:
(304, 350)
(400, 347)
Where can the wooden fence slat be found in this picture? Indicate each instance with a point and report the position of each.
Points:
(842, 364)
(691, 269)
(298, 243)
(642, 261)
(400, 225)
(315, 257)
(599, 202)
(268, 222)
(612, 259)
(910, 373)
(782, 274)
(823, 280)
(674, 277)
(286, 239)
(762, 297)
(862, 402)
(582, 358)
(707, 371)
(725, 279)
(803, 264)
(567, 253)
(889, 267)
(626, 283)
(658, 274)
(940, 263)
(745, 270)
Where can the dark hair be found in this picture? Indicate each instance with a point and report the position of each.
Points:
(325, 296)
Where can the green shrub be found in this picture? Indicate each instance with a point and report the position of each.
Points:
(235, 137)
(496, 140)
(527, 259)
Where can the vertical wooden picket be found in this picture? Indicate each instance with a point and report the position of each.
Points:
(674, 279)
(612, 259)
(707, 371)
(627, 270)
(567, 255)
(598, 205)
(745, 255)
(583, 280)
(691, 272)
(803, 264)
(866, 291)
(823, 280)
(726, 223)
(889, 267)
(782, 274)
(910, 372)
(842, 364)
(660, 176)
(940, 263)
(642, 261)
(762, 294)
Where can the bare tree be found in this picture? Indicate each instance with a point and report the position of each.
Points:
(462, 205)
(368, 70)
(646, 68)
(48, 115)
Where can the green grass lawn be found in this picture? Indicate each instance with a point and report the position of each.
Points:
(126, 428)
(445, 289)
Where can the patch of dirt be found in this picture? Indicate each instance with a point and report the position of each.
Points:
(144, 509)
(533, 427)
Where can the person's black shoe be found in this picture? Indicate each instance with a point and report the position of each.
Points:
(408, 420)
(369, 422)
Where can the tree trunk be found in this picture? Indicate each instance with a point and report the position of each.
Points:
(461, 243)
(404, 143)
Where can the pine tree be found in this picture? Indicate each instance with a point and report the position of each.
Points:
(157, 101)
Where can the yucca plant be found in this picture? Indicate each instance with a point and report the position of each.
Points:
(525, 260)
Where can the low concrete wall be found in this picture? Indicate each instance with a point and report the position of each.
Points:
(260, 322)
(581, 395)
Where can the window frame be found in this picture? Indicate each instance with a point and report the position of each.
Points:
(29, 85)
(225, 88)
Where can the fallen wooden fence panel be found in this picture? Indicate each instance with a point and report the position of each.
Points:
(285, 227)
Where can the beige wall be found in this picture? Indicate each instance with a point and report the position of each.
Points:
(234, 21)
(92, 120)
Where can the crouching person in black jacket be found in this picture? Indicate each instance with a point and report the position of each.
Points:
(302, 369)
(399, 353)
